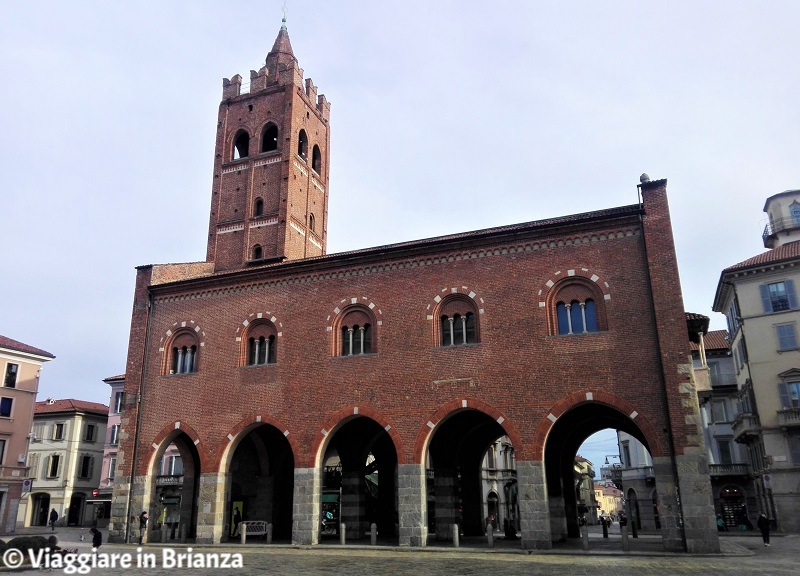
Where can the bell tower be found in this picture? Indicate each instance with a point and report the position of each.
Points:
(269, 199)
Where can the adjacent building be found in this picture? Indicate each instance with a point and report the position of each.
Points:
(65, 459)
(759, 299)
(728, 461)
(101, 495)
(20, 366)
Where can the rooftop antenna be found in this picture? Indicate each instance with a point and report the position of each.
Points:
(284, 9)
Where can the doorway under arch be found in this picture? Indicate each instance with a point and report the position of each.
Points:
(565, 438)
(41, 509)
(456, 452)
(261, 476)
(175, 487)
(359, 477)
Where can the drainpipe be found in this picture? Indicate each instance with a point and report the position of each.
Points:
(134, 456)
(660, 364)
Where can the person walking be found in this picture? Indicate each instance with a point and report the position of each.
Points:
(237, 519)
(143, 518)
(763, 525)
(53, 519)
(97, 539)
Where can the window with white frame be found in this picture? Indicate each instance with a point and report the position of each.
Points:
(778, 296)
(58, 430)
(10, 380)
(719, 412)
(118, 397)
(113, 435)
(112, 467)
(6, 404)
(787, 336)
(790, 394)
(91, 433)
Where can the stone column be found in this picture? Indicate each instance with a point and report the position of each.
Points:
(668, 507)
(306, 506)
(558, 518)
(353, 505)
(412, 504)
(210, 508)
(697, 504)
(533, 505)
(444, 492)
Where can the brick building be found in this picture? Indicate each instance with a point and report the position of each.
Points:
(375, 380)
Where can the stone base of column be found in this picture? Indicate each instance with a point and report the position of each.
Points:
(306, 506)
(411, 494)
(534, 510)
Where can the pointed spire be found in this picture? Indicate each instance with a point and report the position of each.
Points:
(282, 44)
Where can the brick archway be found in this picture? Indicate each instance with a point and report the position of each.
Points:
(337, 420)
(227, 446)
(655, 444)
(166, 436)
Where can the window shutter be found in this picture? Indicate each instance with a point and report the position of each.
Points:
(91, 466)
(791, 293)
(783, 387)
(794, 448)
(765, 299)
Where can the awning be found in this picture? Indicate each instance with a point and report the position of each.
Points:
(330, 498)
(97, 500)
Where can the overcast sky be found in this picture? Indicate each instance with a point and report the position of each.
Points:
(447, 116)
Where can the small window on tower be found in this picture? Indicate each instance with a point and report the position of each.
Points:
(258, 253)
(269, 141)
(241, 145)
(259, 208)
(311, 222)
(316, 160)
(302, 145)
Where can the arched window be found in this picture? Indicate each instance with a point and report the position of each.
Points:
(311, 222)
(355, 332)
(258, 253)
(261, 344)
(316, 159)
(183, 353)
(241, 145)
(794, 212)
(302, 145)
(258, 209)
(458, 321)
(575, 309)
(269, 140)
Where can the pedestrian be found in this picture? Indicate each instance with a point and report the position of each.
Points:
(763, 525)
(143, 518)
(237, 518)
(721, 527)
(53, 519)
(97, 539)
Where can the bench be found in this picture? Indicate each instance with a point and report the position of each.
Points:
(253, 528)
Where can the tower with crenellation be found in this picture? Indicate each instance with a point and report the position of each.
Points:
(269, 199)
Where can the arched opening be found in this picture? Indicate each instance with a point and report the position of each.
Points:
(258, 209)
(76, 507)
(316, 159)
(359, 482)
(241, 145)
(468, 456)
(621, 464)
(40, 509)
(302, 145)
(258, 253)
(175, 488)
(269, 140)
(261, 482)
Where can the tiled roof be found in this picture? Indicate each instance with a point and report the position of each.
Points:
(714, 340)
(788, 251)
(112, 378)
(70, 405)
(20, 347)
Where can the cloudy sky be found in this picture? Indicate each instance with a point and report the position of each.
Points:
(446, 116)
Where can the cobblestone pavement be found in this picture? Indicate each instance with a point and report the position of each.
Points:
(742, 555)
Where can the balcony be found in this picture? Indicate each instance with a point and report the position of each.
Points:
(789, 417)
(729, 469)
(773, 229)
(723, 380)
(745, 427)
(171, 480)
